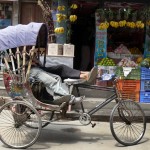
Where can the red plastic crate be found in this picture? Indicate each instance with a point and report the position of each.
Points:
(129, 89)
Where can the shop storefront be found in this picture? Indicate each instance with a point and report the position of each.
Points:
(119, 35)
(122, 49)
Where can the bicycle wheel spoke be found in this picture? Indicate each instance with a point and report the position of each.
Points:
(127, 122)
(6, 116)
(13, 117)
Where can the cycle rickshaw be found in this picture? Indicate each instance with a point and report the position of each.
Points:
(22, 115)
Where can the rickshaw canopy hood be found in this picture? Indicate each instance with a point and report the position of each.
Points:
(22, 35)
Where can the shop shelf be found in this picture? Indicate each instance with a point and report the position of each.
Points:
(120, 56)
(133, 75)
(129, 89)
(144, 97)
(145, 85)
(145, 73)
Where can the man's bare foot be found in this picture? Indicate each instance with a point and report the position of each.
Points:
(89, 76)
(92, 75)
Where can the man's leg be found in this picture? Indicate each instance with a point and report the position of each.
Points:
(64, 71)
(51, 83)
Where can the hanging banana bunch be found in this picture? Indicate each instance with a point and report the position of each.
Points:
(114, 24)
(140, 24)
(74, 6)
(131, 24)
(61, 8)
(60, 17)
(122, 23)
(59, 30)
(73, 18)
(103, 25)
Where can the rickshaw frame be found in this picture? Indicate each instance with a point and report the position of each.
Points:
(25, 110)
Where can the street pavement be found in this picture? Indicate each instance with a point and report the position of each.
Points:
(71, 135)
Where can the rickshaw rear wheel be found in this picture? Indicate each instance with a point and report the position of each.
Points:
(127, 122)
(13, 131)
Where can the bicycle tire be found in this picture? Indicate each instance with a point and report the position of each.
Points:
(127, 122)
(13, 131)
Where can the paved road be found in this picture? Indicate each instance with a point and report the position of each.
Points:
(71, 135)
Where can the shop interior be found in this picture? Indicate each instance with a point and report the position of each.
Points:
(83, 36)
(131, 38)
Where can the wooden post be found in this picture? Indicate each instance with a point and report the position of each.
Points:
(12, 60)
(32, 51)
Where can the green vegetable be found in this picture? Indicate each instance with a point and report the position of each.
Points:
(145, 63)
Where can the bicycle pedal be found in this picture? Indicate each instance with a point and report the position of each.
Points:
(93, 124)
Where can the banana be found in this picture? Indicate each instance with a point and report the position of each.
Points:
(74, 6)
(73, 18)
(61, 8)
(103, 25)
(59, 30)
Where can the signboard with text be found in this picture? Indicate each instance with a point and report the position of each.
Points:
(147, 43)
(100, 43)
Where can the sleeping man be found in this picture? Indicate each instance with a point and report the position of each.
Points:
(53, 82)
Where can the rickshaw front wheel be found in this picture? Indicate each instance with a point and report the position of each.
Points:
(127, 122)
(13, 130)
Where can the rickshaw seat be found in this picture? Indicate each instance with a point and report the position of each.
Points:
(19, 75)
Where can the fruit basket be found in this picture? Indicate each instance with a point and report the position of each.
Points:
(106, 62)
(134, 74)
(128, 89)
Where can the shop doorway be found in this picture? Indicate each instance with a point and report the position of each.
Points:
(30, 12)
(83, 36)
